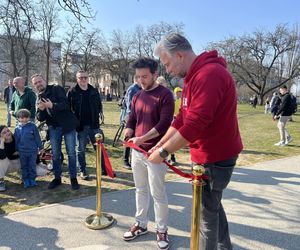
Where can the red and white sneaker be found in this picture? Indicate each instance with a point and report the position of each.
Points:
(134, 232)
(162, 240)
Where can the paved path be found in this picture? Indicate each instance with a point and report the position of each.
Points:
(262, 204)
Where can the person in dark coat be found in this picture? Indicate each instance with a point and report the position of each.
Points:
(53, 107)
(8, 93)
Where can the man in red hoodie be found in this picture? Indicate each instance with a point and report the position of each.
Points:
(207, 122)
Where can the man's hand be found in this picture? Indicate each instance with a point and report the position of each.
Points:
(158, 145)
(41, 106)
(47, 103)
(128, 133)
(155, 157)
(136, 140)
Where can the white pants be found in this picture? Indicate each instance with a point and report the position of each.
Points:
(149, 179)
(9, 166)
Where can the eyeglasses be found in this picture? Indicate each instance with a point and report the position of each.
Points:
(82, 77)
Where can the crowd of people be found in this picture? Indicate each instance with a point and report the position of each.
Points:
(67, 116)
(202, 116)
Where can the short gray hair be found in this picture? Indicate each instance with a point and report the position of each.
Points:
(172, 43)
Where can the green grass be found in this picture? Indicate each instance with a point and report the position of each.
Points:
(259, 133)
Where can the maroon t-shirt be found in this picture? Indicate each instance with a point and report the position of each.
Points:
(153, 108)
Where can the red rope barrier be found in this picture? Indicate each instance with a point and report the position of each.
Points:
(176, 170)
(108, 166)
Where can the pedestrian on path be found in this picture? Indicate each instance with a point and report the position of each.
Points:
(284, 113)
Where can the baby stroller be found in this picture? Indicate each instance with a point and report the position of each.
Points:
(46, 156)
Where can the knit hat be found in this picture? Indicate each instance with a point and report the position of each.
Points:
(1, 128)
(177, 89)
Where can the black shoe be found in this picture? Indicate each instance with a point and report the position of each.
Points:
(127, 165)
(54, 183)
(74, 184)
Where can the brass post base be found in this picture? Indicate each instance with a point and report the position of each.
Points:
(99, 222)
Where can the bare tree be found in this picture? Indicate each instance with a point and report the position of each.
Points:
(155, 33)
(118, 56)
(81, 9)
(68, 50)
(89, 43)
(50, 22)
(18, 29)
(263, 60)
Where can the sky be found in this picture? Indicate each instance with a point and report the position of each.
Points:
(205, 20)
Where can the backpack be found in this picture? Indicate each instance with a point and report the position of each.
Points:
(294, 104)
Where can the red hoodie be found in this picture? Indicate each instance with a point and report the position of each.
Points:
(207, 117)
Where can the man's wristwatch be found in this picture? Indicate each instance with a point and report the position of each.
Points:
(163, 153)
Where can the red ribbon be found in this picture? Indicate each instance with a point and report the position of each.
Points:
(108, 166)
(176, 170)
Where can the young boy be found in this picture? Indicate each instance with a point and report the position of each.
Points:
(28, 143)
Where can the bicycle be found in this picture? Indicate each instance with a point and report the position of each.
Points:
(119, 133)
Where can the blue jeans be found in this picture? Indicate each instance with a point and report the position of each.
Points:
(56, 141)
(28, 165)
(214, 232)
(82, 136)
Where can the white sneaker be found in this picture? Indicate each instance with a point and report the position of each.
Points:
(49, 166)
(281, 143)
(288, 140)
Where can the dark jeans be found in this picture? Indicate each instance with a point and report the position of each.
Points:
(214, 233)
(28, 165)
(56, 135)
(82, 136)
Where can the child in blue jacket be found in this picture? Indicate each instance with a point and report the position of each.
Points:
(28, 143)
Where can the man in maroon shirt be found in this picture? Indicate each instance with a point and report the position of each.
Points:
(207, 122)
(150, 117)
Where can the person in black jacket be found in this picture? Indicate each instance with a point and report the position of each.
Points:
(284, 113)
(53, 107)
(8, 93)
(85, 102)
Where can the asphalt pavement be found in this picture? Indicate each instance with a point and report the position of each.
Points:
(261, 202)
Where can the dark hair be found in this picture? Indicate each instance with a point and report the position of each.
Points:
(283, 87)
(81, 71)
(145, 62)
(2, 127)
(37, 75)
(23, 113)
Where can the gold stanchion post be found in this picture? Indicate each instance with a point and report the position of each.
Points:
(99, 220)
(197, 171)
